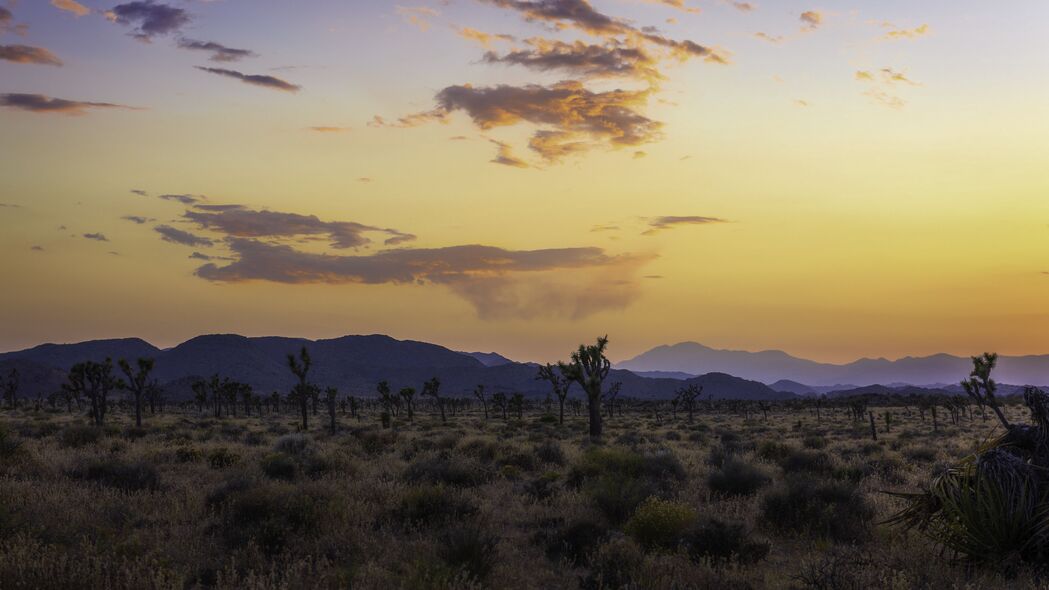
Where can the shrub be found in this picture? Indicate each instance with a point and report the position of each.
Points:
(294, 444)
(737, 478)
(660, 523)
(522, 461)
(575, 541)
(771, 450)
(481, 449)
(543, 486)
(270, 516)
(115, 473)
(450, 471)
(823, 508)
(618, 480)
(550, 452)
(815, 442)
(920, 454)
(279, 466)
(470, 550)
(221, 457)
(721, 542)
(806, 461)
(429, 504)
(9, 446)
(616, 564)
(79, 435)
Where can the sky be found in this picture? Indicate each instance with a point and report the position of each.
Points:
(837, 179)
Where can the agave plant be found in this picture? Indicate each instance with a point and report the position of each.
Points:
(993, 506)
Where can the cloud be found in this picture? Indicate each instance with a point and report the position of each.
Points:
(219, 52)
(485, 39)
(811, 20)
(37, 248)
(72, 6)
(907, 33)
(498, 283)
(742, 6)
(139, 192)
(882, 84)
(254, 79)
(98, 237)
(669, 222)
(38, 103)
(582, 59)
(138, 219)
(506, 156)
(328, 129)
(24, 54)
(241, 222)
(678, 4)
(579, 118)
(7, 23)
(184, 199)
(177, 236)
(10, 206)
(770, 38)
(417, 16)
(149, 19)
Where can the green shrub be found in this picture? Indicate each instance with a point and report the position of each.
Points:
(615, 564)
(271, 517)
(822, 508)
(806, 461)
(574, 542)
(815, 442)
(771, 450)
(722, 542)
(659, 524)
(115, 473)
(221, 457)
(428, 504)
(279, 466)
(451, 471)
(550, 452)
(79, 435)
(737, 478)
(618, 480)
(469, 550)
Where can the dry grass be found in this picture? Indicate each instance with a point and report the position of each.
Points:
(727, 502)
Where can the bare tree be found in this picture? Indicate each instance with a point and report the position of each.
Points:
(686, 397)
(137, 382)
(10, 387)
(408, 394)
(559, 384)
(981, 387)
(94, 381)
(386, 398)
(432, 388)
(332, 395)
(479, 394)
(588, 368)
(611, 395)
(300, 367)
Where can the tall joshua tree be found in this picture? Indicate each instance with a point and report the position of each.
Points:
(300, 367)
(981, 387)
(559, 384)
(408, 394)
(479, 394)
(588, 368)
(331, 395)
(94, 381)
(10, 387)
(432, 388)
(137, 382)
(386, 399)
(686, 397)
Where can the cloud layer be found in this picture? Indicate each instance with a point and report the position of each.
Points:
(38, 103)
(253, 79)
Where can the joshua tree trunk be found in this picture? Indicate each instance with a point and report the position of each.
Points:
(594, 404)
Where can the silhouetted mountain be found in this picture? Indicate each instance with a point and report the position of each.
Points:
(774, 365)
(34, 379)
(489, 359)
(904, 390)
(354, 364)
(793, 387)
(664, 375)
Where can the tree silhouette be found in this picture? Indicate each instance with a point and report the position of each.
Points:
(981, 387)
(408, 394)
(611, 394)
(588, 368)
(332, 395)
(686, 397)
(432, 388)
(93, 381)
(300, 367)
(386, 399)
(479, 394)
(10, 387)
(559, 384)
(137, 382)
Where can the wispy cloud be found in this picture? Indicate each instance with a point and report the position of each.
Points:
(417, 16)
(218, 51)
(811, 20)
(98, 237)
(25, 54)
(914, 33)
(253, 79)
(38, 103)
(247, 223)
(659, 224)
(149, 19)
(178, 236)
(71, 6)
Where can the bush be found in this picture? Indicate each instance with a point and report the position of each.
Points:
(574, 542)
(550, 452)
(831, 509)
(270, 516)
(430, 504)
(736, 478)
(279, 466)
(771, 450)
(815, 442)
(470, 550)
(222, 457)
(188, 455)
(9, 446)
(451, 471)
(618, 480)
(616, 564)
(77, 436)
(294, 444)
(115, 473)
(721, 542)
(920, 454)
(659, 524)
(806, 461)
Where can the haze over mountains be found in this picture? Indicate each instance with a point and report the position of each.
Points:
(772, 366)
(354, 364)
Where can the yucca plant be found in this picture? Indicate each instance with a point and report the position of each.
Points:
(993, 506)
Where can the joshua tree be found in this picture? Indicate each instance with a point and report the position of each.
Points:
(588, 368)
(137, 382)
(611, 395)
(479, 394)
(300, 367)
(408, 394)
(517, 403)
(332, 395)
(432, 388)
(94, 381)
(200, 394)
(386, 398)
(560, 386)
(981, 387)
(499, 401)
(10, 387)
(686, 397)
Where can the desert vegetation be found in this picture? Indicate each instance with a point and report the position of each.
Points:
(496, 490)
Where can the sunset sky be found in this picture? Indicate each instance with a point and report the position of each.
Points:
(837, 179)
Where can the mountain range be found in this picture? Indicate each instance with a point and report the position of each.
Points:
(353, 364)
(803, 376)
